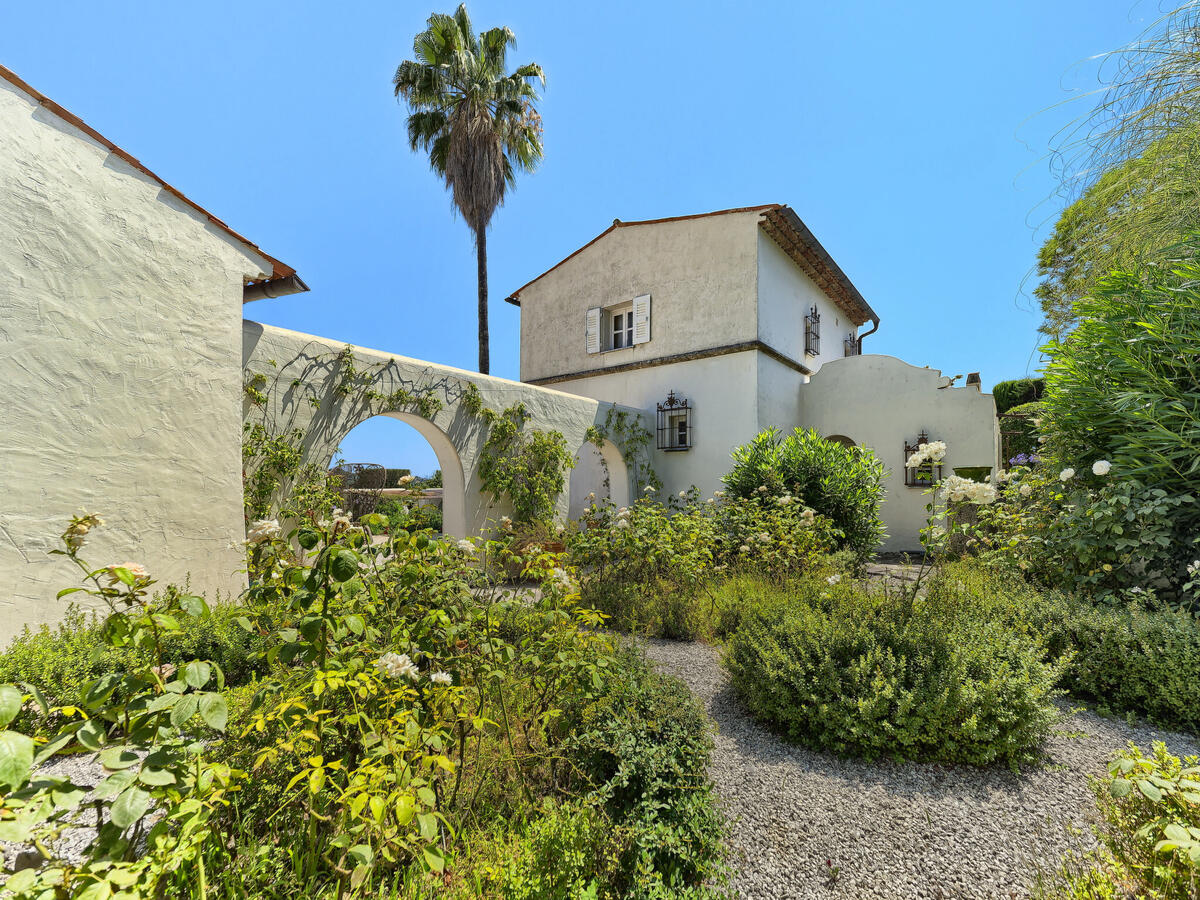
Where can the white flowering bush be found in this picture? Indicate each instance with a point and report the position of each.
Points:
(843, 484)
(1102, 532)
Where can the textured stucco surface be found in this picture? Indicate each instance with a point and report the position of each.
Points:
(700, 274)
(298, 366)
(721, 391)
(880, 402)
(785, 295)
(119, 320)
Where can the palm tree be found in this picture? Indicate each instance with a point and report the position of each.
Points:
(479, 125)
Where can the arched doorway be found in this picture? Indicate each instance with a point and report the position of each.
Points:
(840, 439)
(397, 446)
(599, 470)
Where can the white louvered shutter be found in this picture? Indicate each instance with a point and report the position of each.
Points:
(641, 319)
(591, 330)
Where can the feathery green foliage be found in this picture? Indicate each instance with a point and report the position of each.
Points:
(1128, 167)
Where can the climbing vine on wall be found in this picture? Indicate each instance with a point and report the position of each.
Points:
(634, 441)
(275, 478)
(527, 467)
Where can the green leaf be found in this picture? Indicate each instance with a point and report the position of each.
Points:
(116, 758)
(1176, 832)
(114, 784)
(129, 807)
(156, 777)
(214, 711)
(427, 825)
(194, 606)
(197, 673)
(10, 703)
(184, 709)
(344, 565)
(16, 758)
(22, 881)
(307, 538)
(1149, 791)
(1120, 787)
(93, 734)
(434, 858)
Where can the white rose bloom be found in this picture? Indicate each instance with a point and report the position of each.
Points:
(719, 494)
(833, 579)
(397, 665)
(137, 569)
(683, 495)
(1025, 490)
(650, 489)
(262, 530)
(466, 546)
(404, 479)
(441, 678)
(745, 548)
(1101, 467)
(622, 523)
(1066, 474)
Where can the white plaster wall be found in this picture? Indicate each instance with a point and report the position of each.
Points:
(699, 272)
(880, 402)
(593, 467)
(723, 392)
(785, 295)
(299, 366)
(778, 389)
(119, 323)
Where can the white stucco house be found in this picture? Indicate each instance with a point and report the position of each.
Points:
(742, 315)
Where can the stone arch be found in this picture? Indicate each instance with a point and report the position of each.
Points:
(593, 467)
(454, 509)
(841, 439)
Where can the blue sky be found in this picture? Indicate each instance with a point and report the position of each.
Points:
(910, 138)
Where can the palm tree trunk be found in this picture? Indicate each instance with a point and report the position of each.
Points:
(481, 255)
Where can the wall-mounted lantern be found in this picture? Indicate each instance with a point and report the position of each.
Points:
(674, 424)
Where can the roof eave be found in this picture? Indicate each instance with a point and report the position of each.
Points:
(280, 272)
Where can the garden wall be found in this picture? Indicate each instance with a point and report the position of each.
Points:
(881, 402)
(301, 379)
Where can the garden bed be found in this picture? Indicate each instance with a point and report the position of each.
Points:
(808, 824)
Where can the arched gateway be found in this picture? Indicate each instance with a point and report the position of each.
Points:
(324, 389)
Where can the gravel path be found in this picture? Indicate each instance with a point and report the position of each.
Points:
(892, 830)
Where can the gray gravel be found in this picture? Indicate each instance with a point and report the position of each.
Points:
(893, 830)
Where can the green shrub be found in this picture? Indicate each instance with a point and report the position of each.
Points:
(844, 484)
(1150, 837)
(411, 518)
(1109, 536)
(652, 568)
(1022, 434)
(1011, 394)
(1124, 385)
(838, 666)
(1125, 659)
(62, 659)
(642, 748)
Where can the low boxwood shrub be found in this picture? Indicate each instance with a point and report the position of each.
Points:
(1123, 658)
(61, 659)
(870, 671)
(652, 567)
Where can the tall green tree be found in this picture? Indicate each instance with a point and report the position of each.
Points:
(1129, 167)
(478, 123)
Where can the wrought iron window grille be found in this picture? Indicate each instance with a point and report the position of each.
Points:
(812, 333)
(851, 345)
(923, 475)
(674, 424)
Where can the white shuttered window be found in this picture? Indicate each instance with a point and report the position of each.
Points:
(591, 330)
(641, 319)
